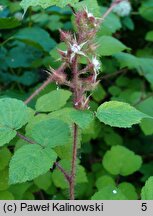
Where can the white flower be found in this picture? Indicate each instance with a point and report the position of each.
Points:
(96, 64)
(123, 8)
(88, 13)
(76, 49)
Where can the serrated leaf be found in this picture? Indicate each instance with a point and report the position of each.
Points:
(45, 3)
(119, 114)
(13, 115)
(53, 100)
(5, 156)
(109, 193)
(115, 161)
(9, 23)
(109, 46)
(147, 190)
(36, 37)
(29, 162)
(51, 132)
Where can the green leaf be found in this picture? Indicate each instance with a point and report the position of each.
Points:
(146, 126)
(104, 181)
(5, 156)
(147, 190)
(81, 118)
(115, 161)
(99, 93)
(44, 181)
(18, 190)
(127, 60)
(128, 190)
(14, 58)
(4, 180)
(51, 132)
(29, 162)
(146, 10)
(142, 65)
(149, 36)
(37, 37)
(59, 179)
(9, 23)
(95, 9)
(6, 195)
(45, 3)
(146, 171)
(109, 46)
(146, 106)
(111, 25)
(109, 193)
(53, 100)
(119, 114)
(13, 115)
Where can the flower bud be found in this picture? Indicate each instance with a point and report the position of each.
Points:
(65, 36)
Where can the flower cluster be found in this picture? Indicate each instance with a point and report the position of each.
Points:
(80, 44)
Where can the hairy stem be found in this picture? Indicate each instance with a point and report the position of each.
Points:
(111, 8)
(25, 138)
(46, 83)
(67, 176)
(75, 127)
(73, 165)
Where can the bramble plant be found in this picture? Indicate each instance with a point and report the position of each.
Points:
(50, 135)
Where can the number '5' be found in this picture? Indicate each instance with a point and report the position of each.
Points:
(144, 206)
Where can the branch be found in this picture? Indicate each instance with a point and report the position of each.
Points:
(75, 128)
(142, 99)
(73, 165)
(67, 176)
(49, 80)
(110, 9)
(52, 78)
(107, 76)
(25, 138)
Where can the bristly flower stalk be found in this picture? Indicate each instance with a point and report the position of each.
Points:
(82, 80)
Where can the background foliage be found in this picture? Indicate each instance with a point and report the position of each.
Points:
(115, 162)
